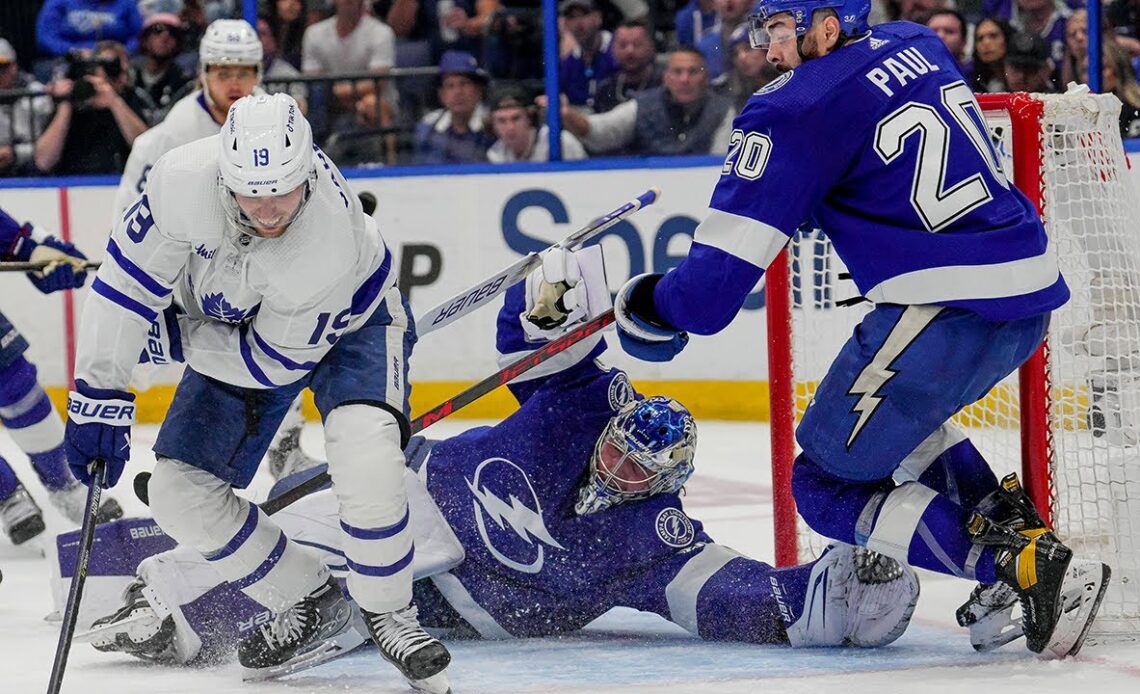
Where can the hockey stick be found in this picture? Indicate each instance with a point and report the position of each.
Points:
(28, 266)
(444, 409)
(71, 612)
(462, 399)
(471, 299)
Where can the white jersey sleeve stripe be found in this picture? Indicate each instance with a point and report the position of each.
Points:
(122, 300)
(682, 592)
(961, 282)
(368, 291)
(135, 272)
(745, 238)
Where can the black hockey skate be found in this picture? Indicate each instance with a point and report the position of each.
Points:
(135, 629)
(1059, 595)
(989, 612)
(21, 516)
(420, 657)
(306, 632)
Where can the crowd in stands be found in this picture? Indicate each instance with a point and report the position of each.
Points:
(455, 81)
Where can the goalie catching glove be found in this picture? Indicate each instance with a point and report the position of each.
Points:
(567, 289)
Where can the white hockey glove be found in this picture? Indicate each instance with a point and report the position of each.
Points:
(569, 288)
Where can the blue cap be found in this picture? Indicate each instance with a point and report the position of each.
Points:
(461, 63)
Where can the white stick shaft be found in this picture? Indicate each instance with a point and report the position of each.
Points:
(482, 293)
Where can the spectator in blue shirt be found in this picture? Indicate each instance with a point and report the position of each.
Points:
(457, 132)
(717, 46)
(64, 25)
(592, 59)
(694, 21)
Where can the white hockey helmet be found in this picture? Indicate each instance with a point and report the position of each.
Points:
(230, 42)
(266, 150)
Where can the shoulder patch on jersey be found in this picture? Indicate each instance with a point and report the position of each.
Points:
(776, 83)
(674, 528)
(620, 391)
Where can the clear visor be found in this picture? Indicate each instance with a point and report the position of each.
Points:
(764, 31)
(267, 216)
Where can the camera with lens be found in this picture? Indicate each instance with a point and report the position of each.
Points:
(80, 65)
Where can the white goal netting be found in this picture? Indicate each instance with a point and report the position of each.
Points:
(1090, 402)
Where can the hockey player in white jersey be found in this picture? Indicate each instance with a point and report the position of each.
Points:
(230, 67)
(229, 60)
(285, 284)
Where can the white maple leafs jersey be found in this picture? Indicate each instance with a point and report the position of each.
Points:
(259, 313)
(188, 120)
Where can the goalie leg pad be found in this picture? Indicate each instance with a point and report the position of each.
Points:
(247, 548)
(852, 597)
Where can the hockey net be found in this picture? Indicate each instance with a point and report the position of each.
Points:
(1069, 420)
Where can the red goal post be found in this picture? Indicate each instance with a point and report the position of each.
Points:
(1069, 420)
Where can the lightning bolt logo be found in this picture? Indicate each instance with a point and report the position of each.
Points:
(526, 521)
(876, 374)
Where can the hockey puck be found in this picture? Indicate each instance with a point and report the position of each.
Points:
(141, 491)
(368, 202)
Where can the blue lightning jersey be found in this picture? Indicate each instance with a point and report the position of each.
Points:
(533, 566)
(883, 145)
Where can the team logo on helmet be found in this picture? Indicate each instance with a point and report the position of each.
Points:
(516, 533)
(674, 528)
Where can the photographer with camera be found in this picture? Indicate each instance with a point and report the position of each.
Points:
(97, 114)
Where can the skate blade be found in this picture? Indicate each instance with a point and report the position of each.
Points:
(109, 630)
(322, 653)
(436, 684)
(1069, 639)
(991, 639)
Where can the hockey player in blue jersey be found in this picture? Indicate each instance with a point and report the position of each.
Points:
(25, 409)
(874, 134)
(569, 507)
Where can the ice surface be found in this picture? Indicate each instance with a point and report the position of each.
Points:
(624, 651)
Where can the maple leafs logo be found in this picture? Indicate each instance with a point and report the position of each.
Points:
(216, 306)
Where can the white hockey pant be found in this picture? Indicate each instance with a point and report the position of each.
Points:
(246, 548)
(367, 467)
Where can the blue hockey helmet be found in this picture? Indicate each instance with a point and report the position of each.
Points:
(646, 449)
(852, 17)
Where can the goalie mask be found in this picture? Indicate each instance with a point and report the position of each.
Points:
(646, 449)
(266, 164)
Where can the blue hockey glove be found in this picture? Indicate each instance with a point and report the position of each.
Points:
(642, 333)
(64, 269)
(98, 427)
